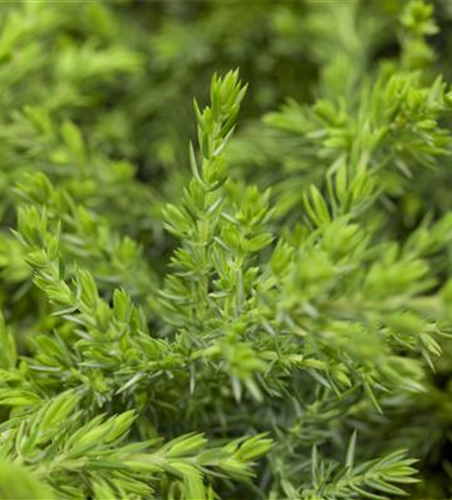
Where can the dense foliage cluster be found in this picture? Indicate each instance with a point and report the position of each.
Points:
(245, 298)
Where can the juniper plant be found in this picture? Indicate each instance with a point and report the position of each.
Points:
(272, 321)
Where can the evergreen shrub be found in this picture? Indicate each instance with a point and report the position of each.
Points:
(245, 297)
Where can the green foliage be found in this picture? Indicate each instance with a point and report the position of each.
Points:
(264, 314)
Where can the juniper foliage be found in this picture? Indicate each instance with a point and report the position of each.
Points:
(247, 296)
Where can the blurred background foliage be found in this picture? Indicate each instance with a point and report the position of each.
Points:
(113, 83)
